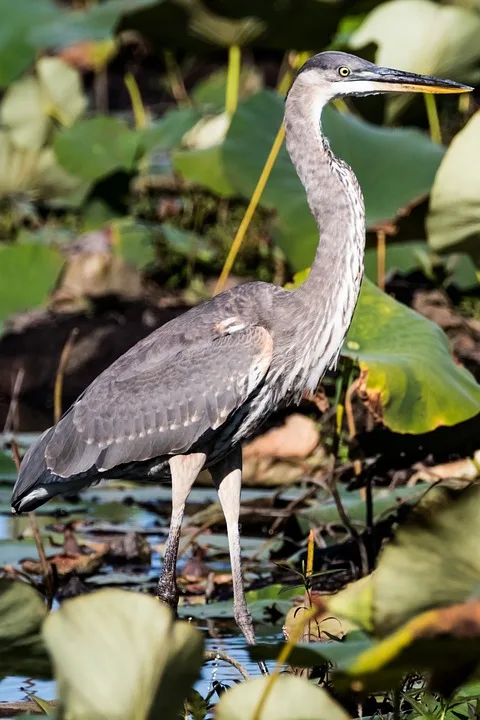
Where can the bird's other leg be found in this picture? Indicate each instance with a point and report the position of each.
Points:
(227, 476)
(184, 470)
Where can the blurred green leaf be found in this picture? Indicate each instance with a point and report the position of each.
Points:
(424, 37)
(433, 561)
(28, 272)
(205, 168)
(92, 149)
(22, 612)
(396, 349)
(187, 243)
(62, 90)
(167, 132)
(403, 171)
(453, 221)
(134, 243)
(18, 17)
(96, 23)
(8, 469)
(401, 257)
(121, 655)
(291, 698)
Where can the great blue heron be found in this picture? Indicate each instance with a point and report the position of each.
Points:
(188, 395)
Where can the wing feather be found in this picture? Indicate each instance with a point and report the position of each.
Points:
(143, 409)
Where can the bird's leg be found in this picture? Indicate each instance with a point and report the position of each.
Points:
(184, 470)
(227, 476)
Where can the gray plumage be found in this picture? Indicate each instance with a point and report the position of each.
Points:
(188, 395)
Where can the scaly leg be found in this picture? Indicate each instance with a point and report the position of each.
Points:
(227, 476)
(184, 470)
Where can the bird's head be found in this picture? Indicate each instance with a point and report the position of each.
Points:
(337, 74)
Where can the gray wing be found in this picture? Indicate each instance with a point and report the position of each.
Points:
(160, 403)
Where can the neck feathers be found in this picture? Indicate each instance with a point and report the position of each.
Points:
(330, 293)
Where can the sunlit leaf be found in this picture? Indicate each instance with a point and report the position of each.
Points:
(291, 698)
(62, 91)
(121, 655)
(454, 217)
(424, 37)
(403, 171)
(22, 612)
(396, 349)
(444, 642)
(94, 148)
(23, 114)
(28, 272)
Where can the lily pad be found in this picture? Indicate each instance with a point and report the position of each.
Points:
(22, 613)
(94, 148)
(126, 648)
(28, 272)
(396, 349)
(291, 698)
(261, 604)
(403, 172)
(453, 221)
(424, 37)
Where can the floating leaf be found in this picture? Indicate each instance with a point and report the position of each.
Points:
(22, 612)
(403, 171)
(314, 654)
(28, 272)
(454, 216)
(396, 349)
(291, 698)
(424, 37)
(92, 149)
(128, 651)
(273, 599)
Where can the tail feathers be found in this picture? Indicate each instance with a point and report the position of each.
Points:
(36, 483)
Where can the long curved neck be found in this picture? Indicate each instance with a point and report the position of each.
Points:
(333, 194)
(329, 295)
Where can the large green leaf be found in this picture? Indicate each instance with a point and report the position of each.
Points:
(121, 655)
(291, 698)
(28, 272)
(395, 168)
(22, 612)
(92, 149)
(397, 349)
(424, 37)
(454, 217)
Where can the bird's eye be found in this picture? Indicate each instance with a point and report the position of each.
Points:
(344, 71)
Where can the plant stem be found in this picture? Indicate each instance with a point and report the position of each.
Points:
(57, 392)
(381, 258)
(433, 121)
(136, 99)
(233, 79)
(250, 211)
(209, 655)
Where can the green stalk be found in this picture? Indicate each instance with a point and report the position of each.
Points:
(433, 121)
(233, 79)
